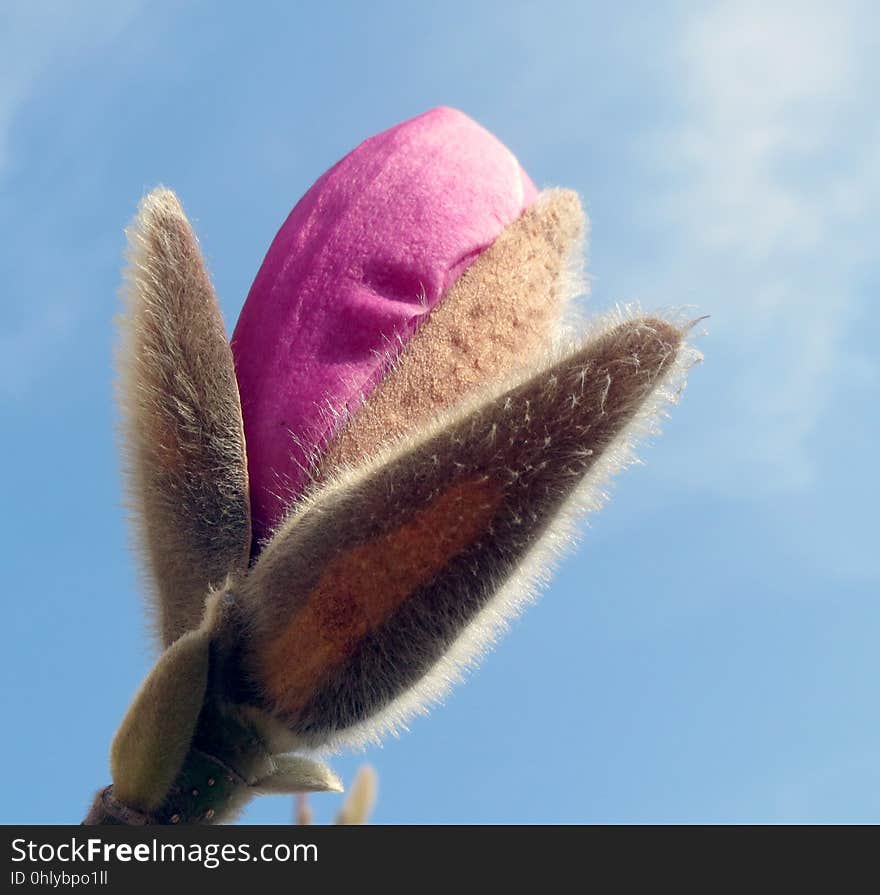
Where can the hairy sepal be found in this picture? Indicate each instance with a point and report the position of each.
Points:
(383, 585)
(181, 419)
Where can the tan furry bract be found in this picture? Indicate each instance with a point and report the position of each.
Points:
(181, 419)
(521, 454)
(500, 315)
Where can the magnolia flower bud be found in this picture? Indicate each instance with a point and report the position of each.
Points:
(358, 265)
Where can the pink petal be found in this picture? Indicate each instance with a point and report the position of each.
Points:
(358, 264)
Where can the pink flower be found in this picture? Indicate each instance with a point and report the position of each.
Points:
(340, 510)
(359, 263)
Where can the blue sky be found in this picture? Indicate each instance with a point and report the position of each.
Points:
(710, 652)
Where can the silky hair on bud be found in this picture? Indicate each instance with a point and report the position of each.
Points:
(386, 583)
(499, 316)
(560, 538)
(183, 440)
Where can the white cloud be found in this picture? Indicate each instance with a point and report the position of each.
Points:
(774, 216)
(40, 38)
(762, 83)
(39, 43)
